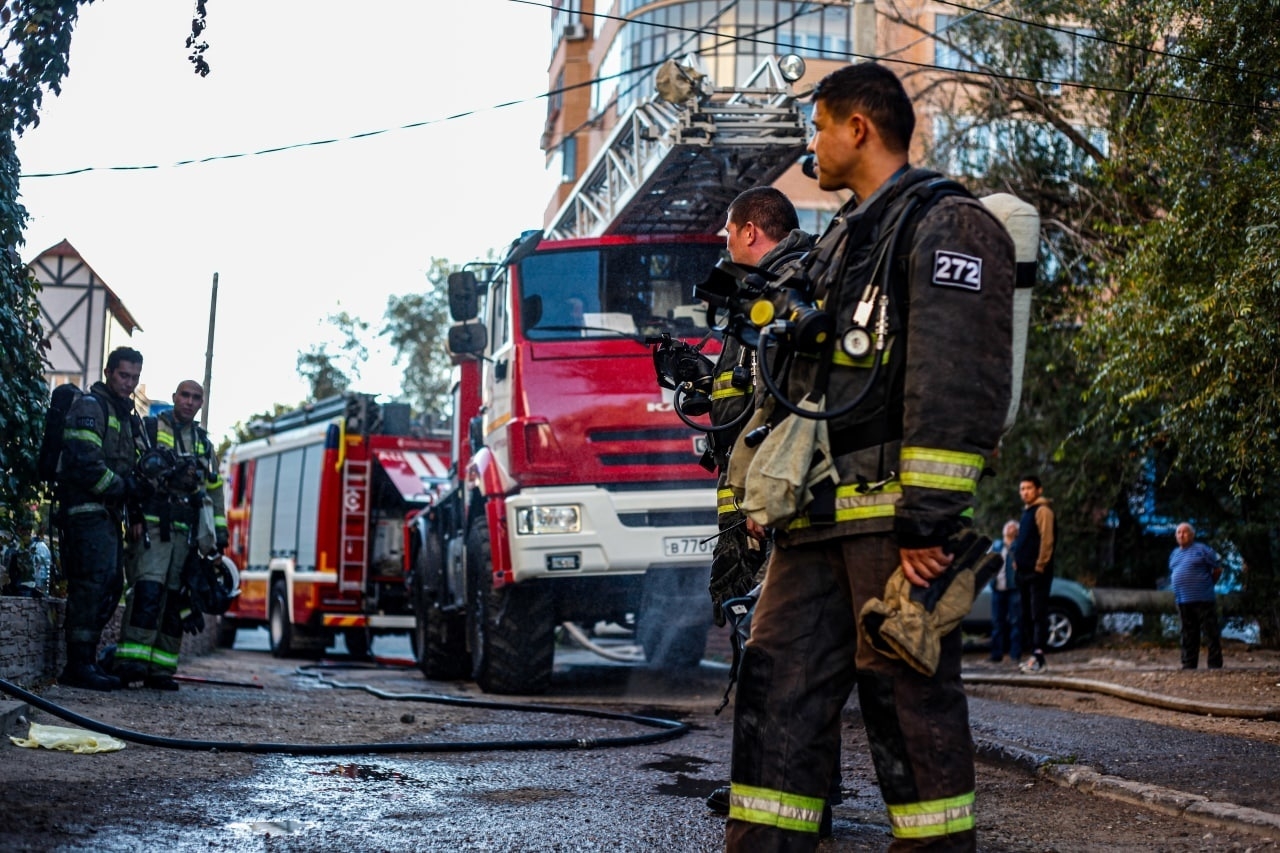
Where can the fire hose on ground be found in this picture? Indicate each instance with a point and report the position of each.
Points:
(666, 729)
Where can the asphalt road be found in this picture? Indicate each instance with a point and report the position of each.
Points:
(635, 798)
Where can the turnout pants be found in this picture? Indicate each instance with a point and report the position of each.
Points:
(799, 667)
(92, 555)
(151, 632)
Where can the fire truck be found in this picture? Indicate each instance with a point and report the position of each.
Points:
(578, 494)
(316, 515)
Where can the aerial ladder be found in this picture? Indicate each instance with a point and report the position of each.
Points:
(674, 163)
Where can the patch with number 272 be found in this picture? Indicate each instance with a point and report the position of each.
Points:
(952, 269)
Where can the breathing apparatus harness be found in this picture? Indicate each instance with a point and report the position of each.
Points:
(788, 313)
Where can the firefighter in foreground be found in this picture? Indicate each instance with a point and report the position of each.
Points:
(100, 447)
(907, 460)
(158, 608)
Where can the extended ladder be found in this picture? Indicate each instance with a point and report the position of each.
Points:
(674, 168)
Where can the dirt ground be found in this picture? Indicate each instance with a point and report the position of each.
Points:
(1250, 677)
(63, 801)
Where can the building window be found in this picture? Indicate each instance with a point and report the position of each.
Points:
(569, 159)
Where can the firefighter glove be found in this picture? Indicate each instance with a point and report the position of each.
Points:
(910, 621)
(737, 567)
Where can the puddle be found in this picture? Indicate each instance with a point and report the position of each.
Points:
(687, 786)
(270, 827)
(367, 773)
(678, 764)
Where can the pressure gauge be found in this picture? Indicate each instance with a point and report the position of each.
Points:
(856, 342)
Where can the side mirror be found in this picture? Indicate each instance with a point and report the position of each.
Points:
(464, 302)
(467, 339)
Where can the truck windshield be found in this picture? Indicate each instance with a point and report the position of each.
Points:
(614, 290)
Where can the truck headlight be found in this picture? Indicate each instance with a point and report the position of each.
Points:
(548, 519)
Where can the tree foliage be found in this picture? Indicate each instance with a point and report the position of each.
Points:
(417, 325)
(1146, 135)
(329, 373)
(35, 39)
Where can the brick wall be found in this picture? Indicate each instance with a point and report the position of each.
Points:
(32, 648)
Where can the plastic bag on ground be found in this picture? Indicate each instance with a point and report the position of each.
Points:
(67, 739)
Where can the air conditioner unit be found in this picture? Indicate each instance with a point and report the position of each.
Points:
(575, 31)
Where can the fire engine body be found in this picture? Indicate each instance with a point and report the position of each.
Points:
(316, 515)
(579, 494)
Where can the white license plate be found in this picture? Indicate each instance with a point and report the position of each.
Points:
(687, 546)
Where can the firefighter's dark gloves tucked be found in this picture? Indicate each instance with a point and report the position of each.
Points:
(193, 622)
(910, 621)
(731, 577)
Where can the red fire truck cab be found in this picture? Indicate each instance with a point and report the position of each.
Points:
(316, 512)
(580, 496)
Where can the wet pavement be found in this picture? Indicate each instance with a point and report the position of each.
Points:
(644, 797)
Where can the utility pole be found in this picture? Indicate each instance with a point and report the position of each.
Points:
(208, 353)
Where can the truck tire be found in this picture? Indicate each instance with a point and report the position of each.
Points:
(279, 629)
(439, 638)
(675, 616)
(511, 630)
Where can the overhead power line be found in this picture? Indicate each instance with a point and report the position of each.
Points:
(728, 39)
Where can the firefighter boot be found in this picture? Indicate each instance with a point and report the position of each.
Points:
(82, 670)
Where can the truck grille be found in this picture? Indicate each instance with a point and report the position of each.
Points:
(668, 518)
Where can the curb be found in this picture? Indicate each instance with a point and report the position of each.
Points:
(1195, 807)
(10, 712)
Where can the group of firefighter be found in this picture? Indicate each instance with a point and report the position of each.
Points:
(138, 503)
(863, 574)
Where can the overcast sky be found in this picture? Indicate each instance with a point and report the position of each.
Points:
(302, 233)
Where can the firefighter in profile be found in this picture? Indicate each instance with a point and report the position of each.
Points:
(184, 521)
(917, 277)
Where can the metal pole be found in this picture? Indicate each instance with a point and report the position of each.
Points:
(208, 352)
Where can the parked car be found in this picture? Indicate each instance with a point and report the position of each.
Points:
(1072, 615)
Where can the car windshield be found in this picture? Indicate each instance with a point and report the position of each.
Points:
(614, 290)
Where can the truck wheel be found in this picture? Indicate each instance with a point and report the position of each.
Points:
(674, 618)
(511, 630)
(279, 630)
(439, 638)
(226, 635)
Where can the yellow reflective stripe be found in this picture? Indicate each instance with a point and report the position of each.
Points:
(215, 483)
(722, 388)
(933, 818)
(219, 521)
(931, 468)
(841, 359)
(85, 435)
(133, 651)
(165, 438)
(775, 808)
(166, 660)
(155, 519)
(851, 505)
(725, 501)
(104, 482)
(113, 423)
